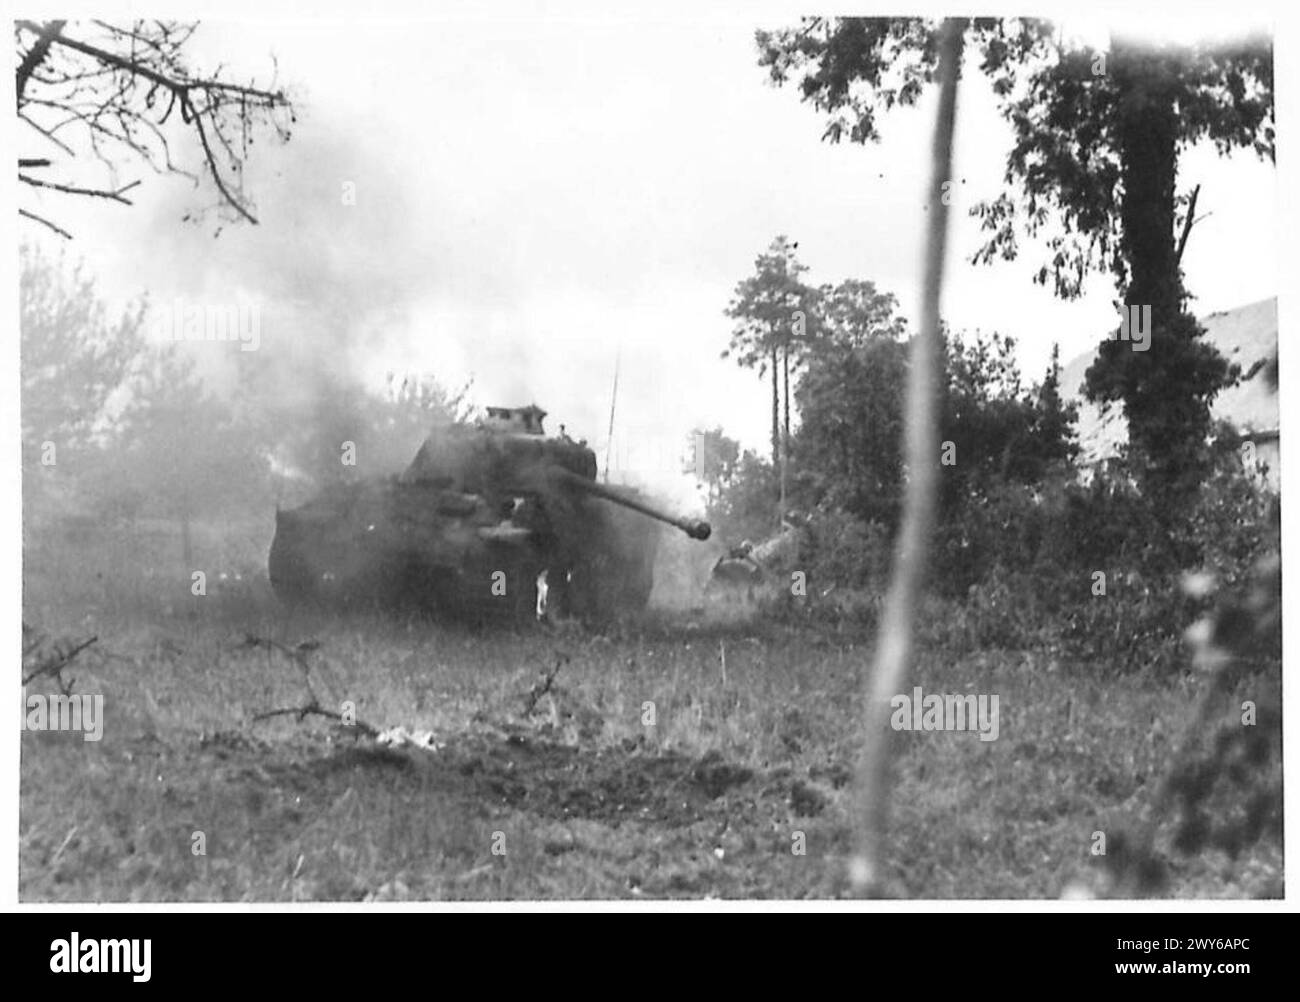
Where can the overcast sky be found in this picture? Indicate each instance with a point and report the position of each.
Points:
(533, 197)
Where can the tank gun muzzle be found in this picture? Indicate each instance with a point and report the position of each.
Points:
(695, 528)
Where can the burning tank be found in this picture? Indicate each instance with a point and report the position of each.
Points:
(492, 520)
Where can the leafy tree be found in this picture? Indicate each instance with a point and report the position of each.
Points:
(849, 447)
(987, 416)
(855, 312)
(1002, 440)
(179, 452)
(713, 459)
(1008, 443)
(744, 508)
(112, 90)
(1053, 429)
(850, 401)
(767, 307)
(1098, 138)
(133, 428)
(75, 368)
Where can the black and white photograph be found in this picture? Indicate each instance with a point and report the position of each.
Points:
(654, 454)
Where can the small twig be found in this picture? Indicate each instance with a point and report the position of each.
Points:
(478, 871)
(68, 189)
(538, 691)
(196, 118)
(45, 222)
(1188, 223)
(63, 845)
(315, 709)
(58, 662)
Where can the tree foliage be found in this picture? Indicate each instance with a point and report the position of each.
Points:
(850, 401)
(744, 508)
(769, 333)
(850, 397)
(1092, 172)
(75, 360)
(713, 458)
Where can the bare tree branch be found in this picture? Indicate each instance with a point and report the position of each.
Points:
(45, 222)
(1188, 223)
(70, 190)
(142, 70)
(212, 162)
(49, 134)
(121, 84)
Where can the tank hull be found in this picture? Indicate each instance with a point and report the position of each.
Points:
(402, 547)
(467, 530)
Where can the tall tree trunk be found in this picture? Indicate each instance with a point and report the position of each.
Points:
(1166, 388)
(785, 436)
(785, 363)
(1148, 129)
(776, 410)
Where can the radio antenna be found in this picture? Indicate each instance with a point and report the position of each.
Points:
(613, 402)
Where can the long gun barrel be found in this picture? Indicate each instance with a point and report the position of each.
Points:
(694, 528)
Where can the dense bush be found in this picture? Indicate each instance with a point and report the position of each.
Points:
(746, 507)
(1090, 567)
(1084, 568)
(847, 552)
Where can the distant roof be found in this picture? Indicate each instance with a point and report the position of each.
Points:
(1245, 335)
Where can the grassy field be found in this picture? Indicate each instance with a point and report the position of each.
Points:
(568, 793)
